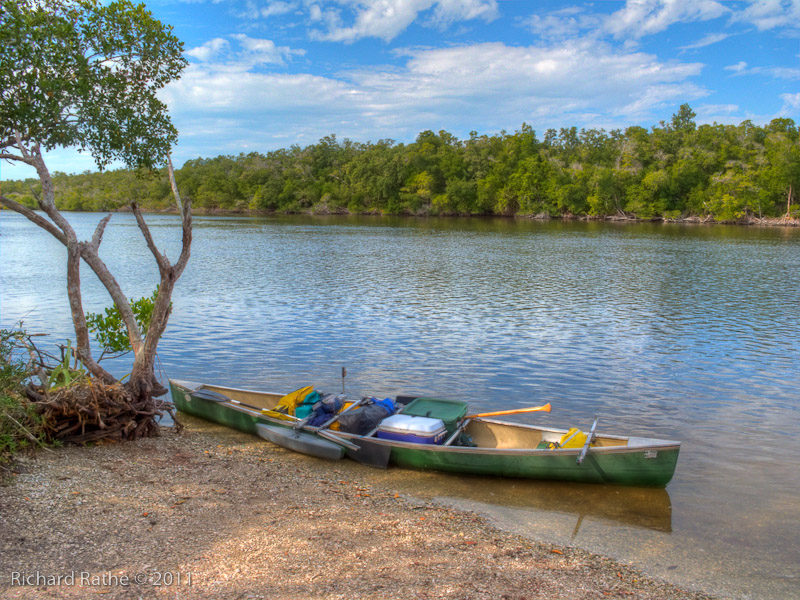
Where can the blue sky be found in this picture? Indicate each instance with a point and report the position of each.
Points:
(266, 74)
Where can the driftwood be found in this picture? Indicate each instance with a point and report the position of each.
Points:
(91, 411)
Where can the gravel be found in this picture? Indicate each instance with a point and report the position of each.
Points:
(213, 513)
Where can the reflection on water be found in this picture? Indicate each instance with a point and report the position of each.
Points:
(670, 331)
(634, 507)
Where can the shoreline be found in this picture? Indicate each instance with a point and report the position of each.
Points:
(226, 515)
(691, 220)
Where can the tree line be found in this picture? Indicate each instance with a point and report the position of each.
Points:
(674, 170)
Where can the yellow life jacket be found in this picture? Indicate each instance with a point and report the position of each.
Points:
(290, 401)
(574, 438)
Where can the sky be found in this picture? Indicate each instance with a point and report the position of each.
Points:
(268, 74)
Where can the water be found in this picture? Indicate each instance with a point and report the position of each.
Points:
(679, 332)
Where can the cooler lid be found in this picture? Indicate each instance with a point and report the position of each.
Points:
(409, 424)
(449, 411)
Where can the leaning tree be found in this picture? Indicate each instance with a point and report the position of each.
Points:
(85, 75)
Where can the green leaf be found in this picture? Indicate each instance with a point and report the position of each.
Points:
(109, 329)
(79, 74)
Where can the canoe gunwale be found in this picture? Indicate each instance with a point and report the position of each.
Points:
(658, 445)
(654, 443)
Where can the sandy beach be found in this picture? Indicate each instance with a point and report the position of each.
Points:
(213, 513)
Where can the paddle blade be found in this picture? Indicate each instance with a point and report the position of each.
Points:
(370, 453)
(545, 408)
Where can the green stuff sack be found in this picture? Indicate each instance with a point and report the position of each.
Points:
(306, 407)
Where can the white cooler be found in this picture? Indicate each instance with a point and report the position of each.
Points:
(406, 428)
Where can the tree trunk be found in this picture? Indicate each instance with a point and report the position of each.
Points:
(83, 345)
(143, 383)
(143, 386)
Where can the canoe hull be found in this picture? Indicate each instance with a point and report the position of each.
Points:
(221, 413)
(651, 468)
(638, 464)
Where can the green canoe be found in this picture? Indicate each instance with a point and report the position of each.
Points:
(500, 448)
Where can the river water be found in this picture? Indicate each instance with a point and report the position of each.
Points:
(673, 331)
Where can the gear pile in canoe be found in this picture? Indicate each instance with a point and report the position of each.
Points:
(431, 434)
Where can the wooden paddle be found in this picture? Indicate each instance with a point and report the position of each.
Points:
(545, 408)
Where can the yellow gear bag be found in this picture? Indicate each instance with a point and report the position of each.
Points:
(574, 438)
(290, 401)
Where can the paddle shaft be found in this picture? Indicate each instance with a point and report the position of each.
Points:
(326, 434)
(335, 417)
(545, 408)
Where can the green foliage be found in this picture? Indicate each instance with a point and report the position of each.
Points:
(12, 370)
(86, 74)
(20, 424)
(677, 169)
(63, 374)
(109, 328)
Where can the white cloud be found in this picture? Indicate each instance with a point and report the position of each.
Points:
(708, 109)
(211, 49)
(274, 9)
(635, 20)
(771, 14)
(253, 51)
(260, 51)
(645, 17)
(791, 103)
(386, 19)
(565, 23)
(446, 12)
(708, 40)
(782, 72)
(739, 67)
(439, 88)
(254, 10)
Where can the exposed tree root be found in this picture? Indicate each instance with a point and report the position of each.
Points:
(91, 411)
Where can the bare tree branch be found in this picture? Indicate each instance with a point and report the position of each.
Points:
(91, 257)
(8, 156)
(183, 259)
(47, 201)
(25, 154)
(161, 259)
(174, 184)
(89, 254)
(186, 220)
(35, 218)
(97, 238)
